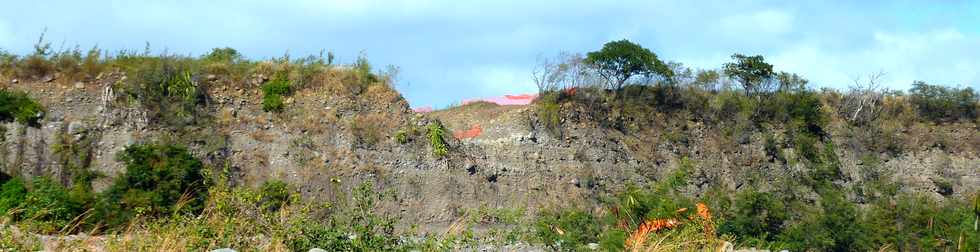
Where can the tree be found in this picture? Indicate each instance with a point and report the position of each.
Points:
(751, 71)
(862, 103)
(618, 61)
(549, 74)
(707, 79)
(566, 70)
(791, 82)
(944, 104)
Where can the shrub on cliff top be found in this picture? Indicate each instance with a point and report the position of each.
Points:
(273, 92)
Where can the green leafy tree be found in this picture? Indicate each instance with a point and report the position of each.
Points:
(159, 179)
(750, 71)
(618, 61)
(944, 104)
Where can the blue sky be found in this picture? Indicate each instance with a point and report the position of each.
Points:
(452, 50)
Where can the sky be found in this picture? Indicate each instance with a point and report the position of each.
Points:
(453, 50)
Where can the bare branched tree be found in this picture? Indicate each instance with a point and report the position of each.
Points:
(862, 103)
(564, 71)
(549, 74)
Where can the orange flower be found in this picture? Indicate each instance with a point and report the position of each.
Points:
(704, 212)
(638, 237)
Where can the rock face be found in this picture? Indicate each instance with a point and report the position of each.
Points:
(326, 143)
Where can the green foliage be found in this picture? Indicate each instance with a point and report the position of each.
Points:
(362, 71)
(226, 62)
(356, 228)
(93, 64)
(37, 64)
(401, 137)
(273, 92)
(567, 230)
(618, 61)
(165, 87)
(159, 180)
(8, 63)
(12, 194)
(918, 222)
(226, 54)
(18, 106)
(549, 112)
(756, 215)
(838, 227)
(50, 206)
(436, 133)
(801, 110)
(944, 104)
(750, 71)
(274, 195)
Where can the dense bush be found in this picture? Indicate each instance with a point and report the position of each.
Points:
(166, 87)
(756, 215)
(50, 206)
(274, 195)
(159, 180)
(944, 104)
(273, 92)
(18, 106)
(567, 230)
(800, 110)
(12, 194)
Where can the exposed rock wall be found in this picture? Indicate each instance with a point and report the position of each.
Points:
(512, 163)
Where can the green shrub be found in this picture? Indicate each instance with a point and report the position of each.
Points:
(37, 64)
(549, 112)
(8, 63)
(401, 137)
(273, 195)
(801, 110)
(93, 64)
(159, 180)
(12, 194)
(944, 104)
(51, 207)
(567, 230)
(437, 141)
(18, 106)
(68, 63)
(756, 215)
(355, 227)
(362, 71)
(273, 92)
(165, 87)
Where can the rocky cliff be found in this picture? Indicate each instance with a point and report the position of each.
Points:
(330, 138)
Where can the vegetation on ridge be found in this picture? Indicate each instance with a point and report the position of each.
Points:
(169, 199)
